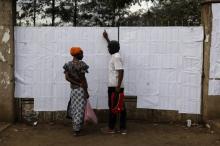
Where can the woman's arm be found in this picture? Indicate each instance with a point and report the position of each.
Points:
(85, 85)
(71, 80)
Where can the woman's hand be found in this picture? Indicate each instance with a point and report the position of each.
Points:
(86, 94)
(83, 85)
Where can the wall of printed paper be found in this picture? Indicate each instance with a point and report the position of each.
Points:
(162, 65)
(214, 76)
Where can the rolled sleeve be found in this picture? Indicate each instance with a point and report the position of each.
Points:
(65, 67)
(83, 67)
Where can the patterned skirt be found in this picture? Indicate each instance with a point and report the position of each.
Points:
(77, 108)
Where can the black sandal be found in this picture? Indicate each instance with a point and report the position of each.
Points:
(77, 133)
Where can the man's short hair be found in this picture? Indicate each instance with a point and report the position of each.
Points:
(113, 46)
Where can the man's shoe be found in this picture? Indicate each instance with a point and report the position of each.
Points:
(124, 132)
(107, 131)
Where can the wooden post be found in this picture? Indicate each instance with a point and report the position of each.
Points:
(6, 61)
(210, 104)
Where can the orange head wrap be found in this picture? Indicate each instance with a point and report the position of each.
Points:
(75, 50)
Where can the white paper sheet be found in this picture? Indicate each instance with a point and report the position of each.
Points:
(214, 87)
(40, 55)
(162, 65)
(215, 10)
(214, 73)
(166, 63)
(215, 43)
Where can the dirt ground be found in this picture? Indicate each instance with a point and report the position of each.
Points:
(139, 134)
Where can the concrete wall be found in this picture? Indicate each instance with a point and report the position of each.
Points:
(210, 104)
(26, 114)
(6, 62)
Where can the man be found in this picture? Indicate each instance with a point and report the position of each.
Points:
(115, 85)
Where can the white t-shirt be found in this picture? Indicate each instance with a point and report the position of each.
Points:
(115, 64)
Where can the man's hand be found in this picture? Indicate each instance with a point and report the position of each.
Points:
(117, 89)
(105, 34)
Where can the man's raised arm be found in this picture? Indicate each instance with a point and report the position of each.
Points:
(105, 35)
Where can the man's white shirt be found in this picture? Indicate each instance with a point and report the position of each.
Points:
(115, 64)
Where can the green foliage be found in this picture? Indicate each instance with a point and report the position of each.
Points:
(88, 12)
(169, 13)
(179, 11)
(108, 13)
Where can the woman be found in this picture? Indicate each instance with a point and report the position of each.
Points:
(75, 74)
